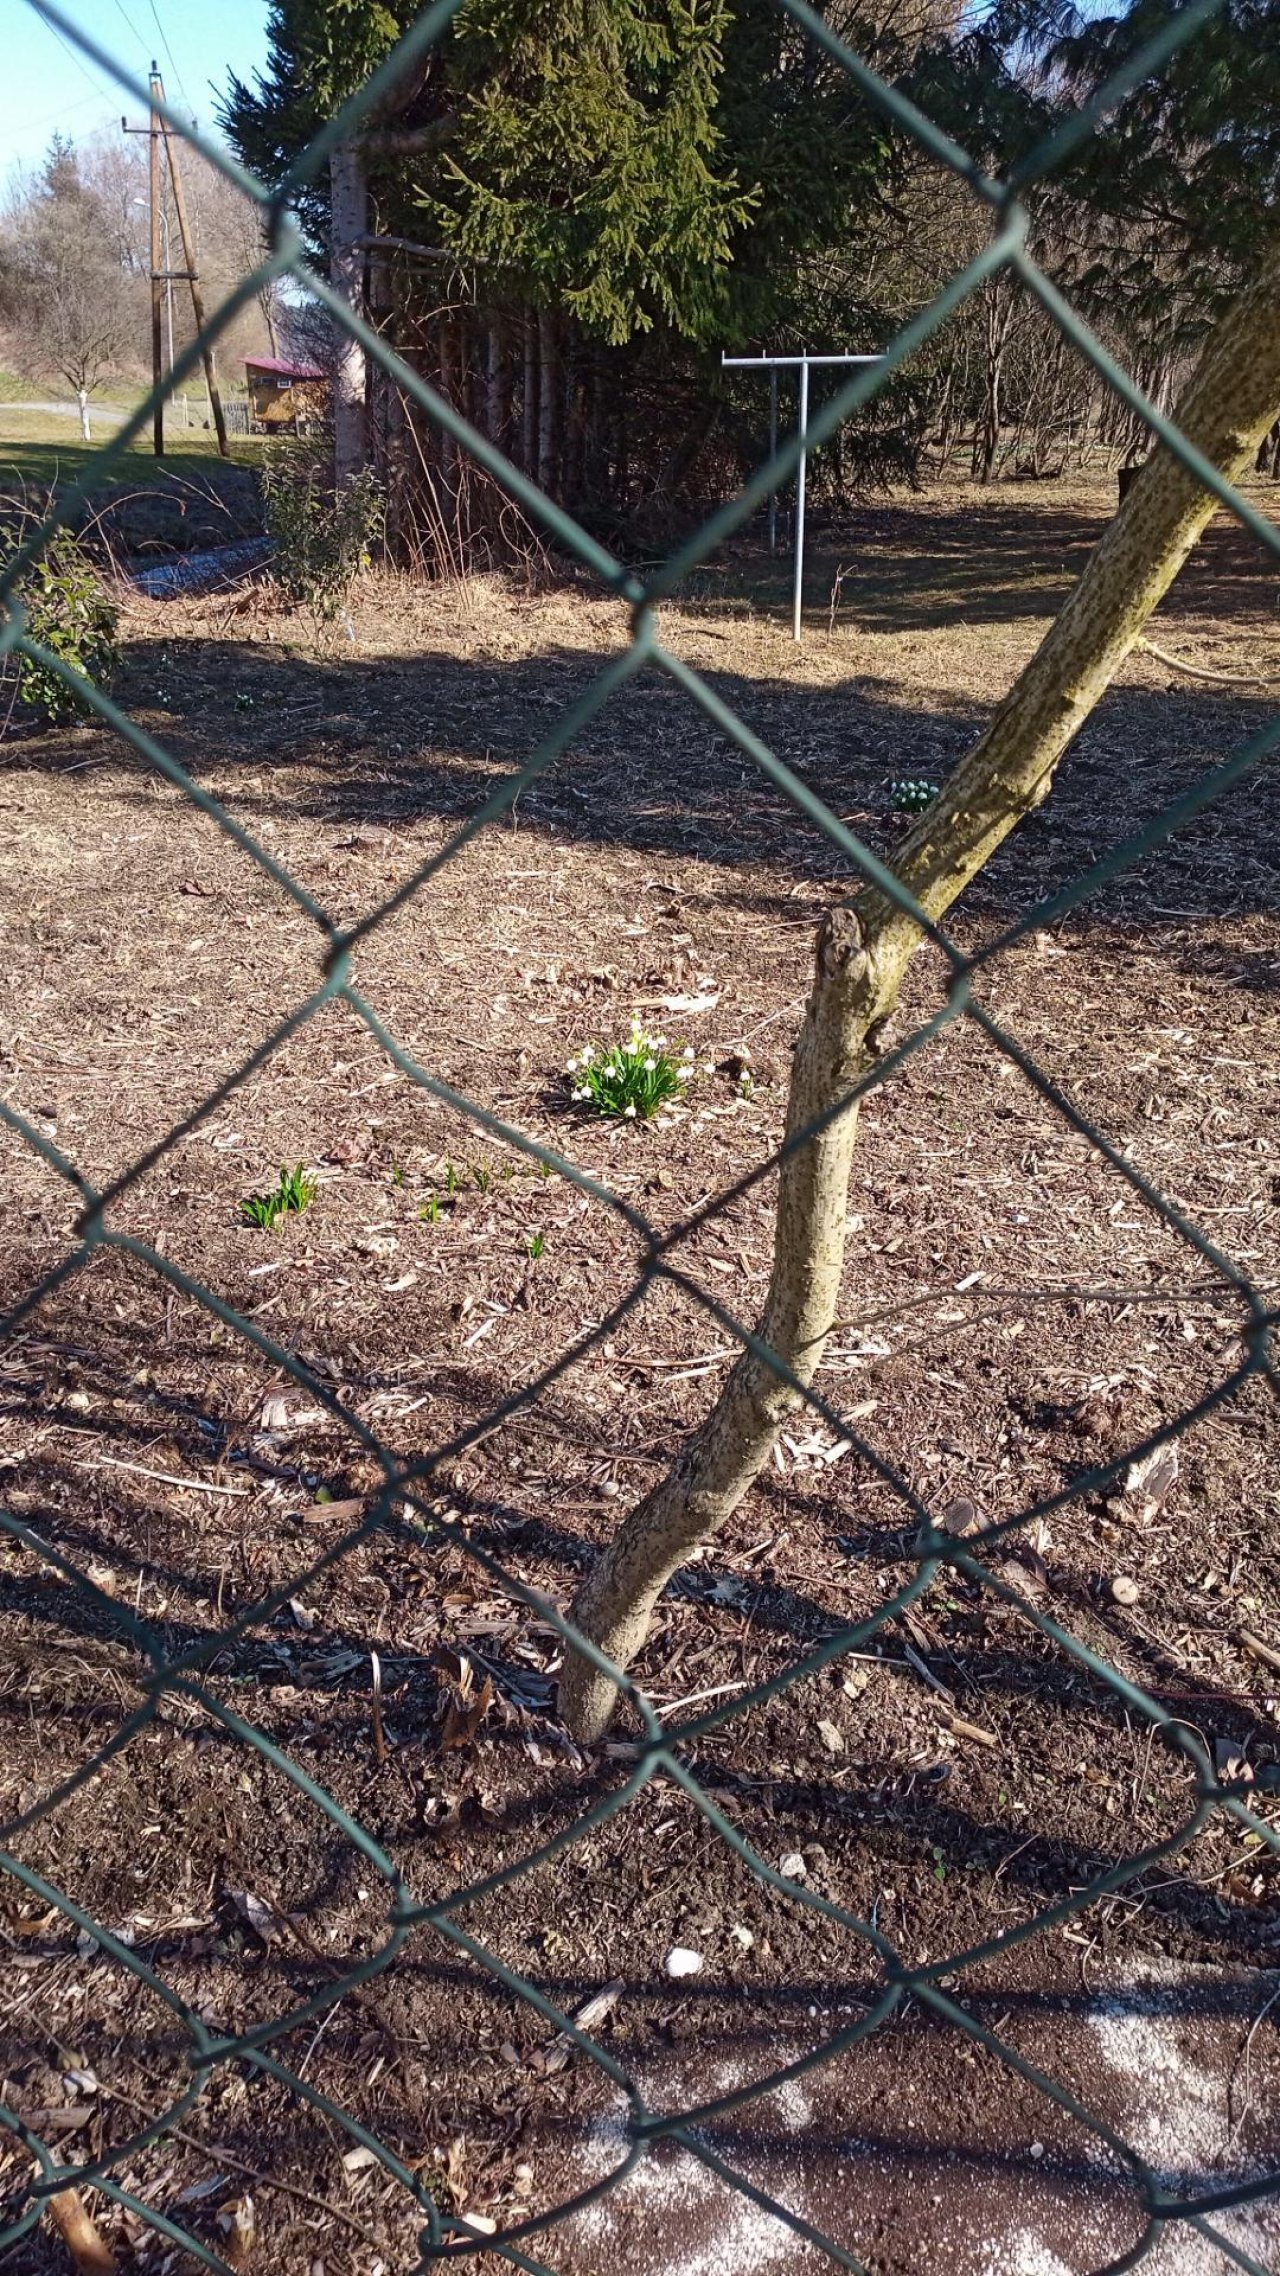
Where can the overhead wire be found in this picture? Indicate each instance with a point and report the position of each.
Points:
(129, 24)
(99, 86)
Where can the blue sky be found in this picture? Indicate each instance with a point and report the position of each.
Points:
(47, 86)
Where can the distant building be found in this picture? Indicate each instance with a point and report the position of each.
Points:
(284, 395)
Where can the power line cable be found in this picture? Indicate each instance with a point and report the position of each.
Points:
(98, 85)
(130, 25)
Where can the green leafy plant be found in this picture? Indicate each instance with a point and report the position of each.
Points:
(321, 538)
(630, 1080)
(430, 1212)
(483, 1176)
(912, 794)
(294, 1192)
(70, 612)
(535, 1245)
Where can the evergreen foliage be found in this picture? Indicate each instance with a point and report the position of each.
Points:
(588, 169)
(620, 188)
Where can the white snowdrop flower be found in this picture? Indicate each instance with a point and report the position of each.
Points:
(688, 1052)
(581, 1093)
(707, 1067)
(684, 1074)
(630, 1113)
(650, 1066)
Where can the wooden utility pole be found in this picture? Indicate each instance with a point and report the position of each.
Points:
(157, 278)
(158, 271)
(189, 256)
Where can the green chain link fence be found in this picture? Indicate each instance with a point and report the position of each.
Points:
(663, 1748)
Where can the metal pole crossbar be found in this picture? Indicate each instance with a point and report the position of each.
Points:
(803, 363)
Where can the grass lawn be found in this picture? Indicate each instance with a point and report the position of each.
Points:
(189, 498)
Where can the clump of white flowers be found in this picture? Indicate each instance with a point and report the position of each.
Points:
(630, 1080)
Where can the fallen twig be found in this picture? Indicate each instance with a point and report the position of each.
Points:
(80, 2234)
(161, 1477)
(1260, 1651)
(927, 1675)
(965, 1730)
(379, 1738)
(1202, 671)
(218, 2154)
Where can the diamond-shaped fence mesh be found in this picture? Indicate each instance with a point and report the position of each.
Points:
(407, 1505)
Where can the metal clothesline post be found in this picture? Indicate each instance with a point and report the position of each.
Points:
(774, 364)
(797, 590)
(773, 452)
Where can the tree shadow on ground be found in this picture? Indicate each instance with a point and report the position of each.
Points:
(890, 1805)
(1008, 556)
(405, 741)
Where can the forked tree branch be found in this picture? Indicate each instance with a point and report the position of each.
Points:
(862, 956)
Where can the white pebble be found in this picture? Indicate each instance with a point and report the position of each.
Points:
(792, 1867)
(742, 1937)
(682, 1962)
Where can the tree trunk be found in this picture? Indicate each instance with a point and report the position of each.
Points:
(589, 425)
(349, 204)
(497, 416)
(529, 406)
(548, 438)
(572, 447)
(998, 320)
(944, 420)
(82, 398)
(450, 389)
(863, 954)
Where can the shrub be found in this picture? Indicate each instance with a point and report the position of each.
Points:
(630, 1080)
(321, 537)
(70, 612)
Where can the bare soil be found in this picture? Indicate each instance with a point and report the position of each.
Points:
(1014, 1317)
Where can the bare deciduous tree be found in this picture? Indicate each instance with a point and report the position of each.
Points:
(64, 296)
(863, 952)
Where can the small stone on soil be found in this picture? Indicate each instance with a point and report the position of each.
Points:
(682, 1962)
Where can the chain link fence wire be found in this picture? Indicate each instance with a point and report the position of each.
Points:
(404, 1506)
